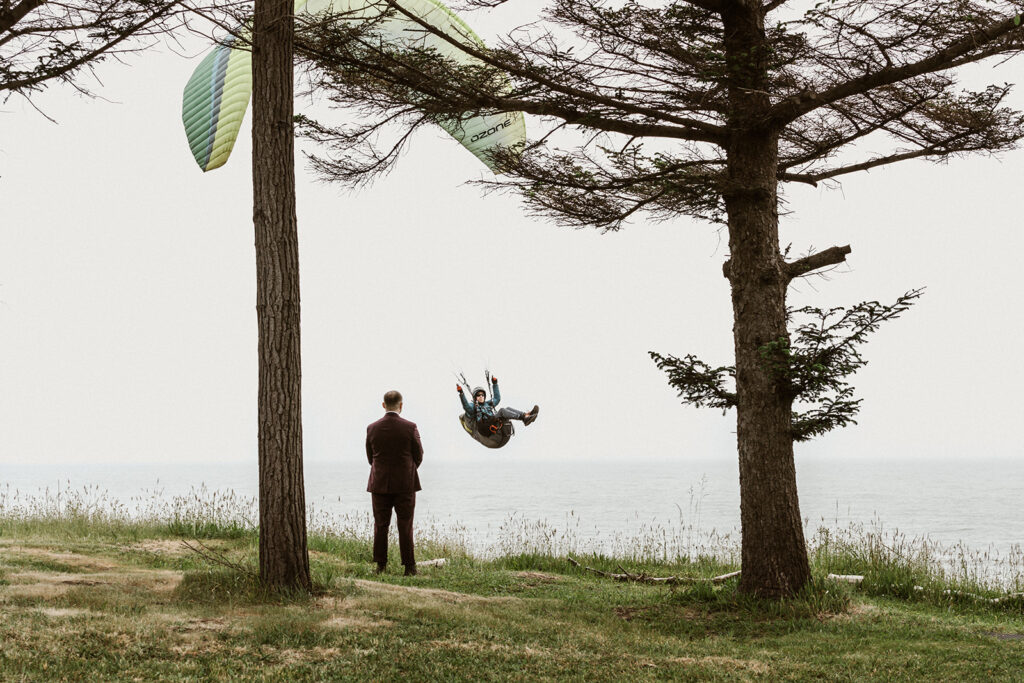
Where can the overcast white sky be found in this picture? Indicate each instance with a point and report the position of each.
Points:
(127, 280)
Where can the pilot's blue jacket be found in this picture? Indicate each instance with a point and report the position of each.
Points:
(482, 412)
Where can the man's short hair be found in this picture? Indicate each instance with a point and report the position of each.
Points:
(392, 399)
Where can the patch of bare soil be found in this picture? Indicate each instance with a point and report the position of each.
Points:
(205, 624)
(45, 585)
(649, 612)
(48, 585)
(162, 581)
(856, 610)
(431, 594)
(730, 663)
(534, 579)
(198, 635)
(321, 555)
(630, 613)
(471, 646)
(347, 616)
(489, 646)
(309, 654)
(355, 621)
(62, 612)
(1004, 636)
(165, 546)
(84, 563)
(199, 646)
(540, 576)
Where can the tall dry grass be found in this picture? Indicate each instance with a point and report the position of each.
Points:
(891, 562)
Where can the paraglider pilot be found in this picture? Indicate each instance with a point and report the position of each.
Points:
(484, 413)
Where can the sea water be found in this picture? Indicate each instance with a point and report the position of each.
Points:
(495, 503)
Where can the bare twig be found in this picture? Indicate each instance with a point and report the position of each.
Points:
(215, 557)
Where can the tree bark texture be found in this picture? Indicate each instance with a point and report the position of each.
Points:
(774, 552)
(284, 559)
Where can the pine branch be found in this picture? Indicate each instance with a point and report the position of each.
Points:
(709, 5)
(688, 129)
(851, 73)
(822, 259)
(963, 51)
(697, 382)
(11, 16)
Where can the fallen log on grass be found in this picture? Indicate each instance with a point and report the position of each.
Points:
(974, 596)
(848, 578)
(857, 579)
(439, 562)
(660, 580)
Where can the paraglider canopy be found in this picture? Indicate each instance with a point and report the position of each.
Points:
(217, 95)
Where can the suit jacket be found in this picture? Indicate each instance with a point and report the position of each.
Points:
(394, 452)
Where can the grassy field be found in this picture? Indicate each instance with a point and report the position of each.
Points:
(94, 596)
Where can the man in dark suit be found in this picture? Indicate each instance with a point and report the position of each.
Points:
(394, 451)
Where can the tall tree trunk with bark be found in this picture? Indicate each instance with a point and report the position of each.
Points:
(774, 553)
(284, 558)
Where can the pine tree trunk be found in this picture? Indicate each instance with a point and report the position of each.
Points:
(284, 560)
(774, 553)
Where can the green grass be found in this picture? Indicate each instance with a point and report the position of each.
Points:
(90, 592)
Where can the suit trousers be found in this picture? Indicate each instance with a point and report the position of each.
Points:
(404, 504)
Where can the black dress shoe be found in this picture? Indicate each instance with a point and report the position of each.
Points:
(380, 568)
(410, 570)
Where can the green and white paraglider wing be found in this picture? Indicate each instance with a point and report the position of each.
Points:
(214, 103)
(218, 92)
